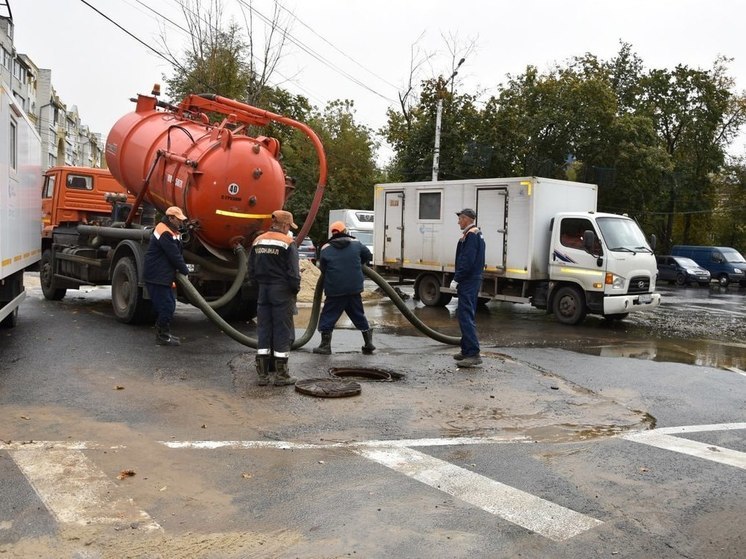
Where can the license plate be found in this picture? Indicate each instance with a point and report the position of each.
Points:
(645, 298)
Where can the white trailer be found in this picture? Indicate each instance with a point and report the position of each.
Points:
(546, 245)
(20, 203)
(359, 224)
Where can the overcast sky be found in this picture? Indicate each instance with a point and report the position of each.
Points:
(366, 45)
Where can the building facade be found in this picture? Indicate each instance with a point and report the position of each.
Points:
(65, 140)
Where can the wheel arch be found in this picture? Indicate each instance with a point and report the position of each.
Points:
(132, 249)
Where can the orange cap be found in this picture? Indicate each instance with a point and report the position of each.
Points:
(338, 227)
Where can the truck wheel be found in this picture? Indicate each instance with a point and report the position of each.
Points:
(568, 305)
(723, 280)
(46, 278)
(428, 291)
(127, 298)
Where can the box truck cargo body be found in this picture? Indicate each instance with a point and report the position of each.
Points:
(359, 224)
(546, 245)
(20, 203)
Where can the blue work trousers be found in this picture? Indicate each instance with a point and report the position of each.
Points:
(274, 317)
(468, 296)
(335, 306)
(164, 303)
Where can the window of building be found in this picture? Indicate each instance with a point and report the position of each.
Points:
(430, 205)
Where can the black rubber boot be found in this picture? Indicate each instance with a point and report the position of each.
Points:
(368, 348)
(262, 369)
(163, 336)
(283, 377)
(325, 347)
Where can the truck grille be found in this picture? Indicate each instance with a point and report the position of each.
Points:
(639, 284)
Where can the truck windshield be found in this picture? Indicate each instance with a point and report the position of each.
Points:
(733, 256)
(365, 237)
(622, 235)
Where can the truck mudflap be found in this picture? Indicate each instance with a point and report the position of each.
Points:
(620, 304)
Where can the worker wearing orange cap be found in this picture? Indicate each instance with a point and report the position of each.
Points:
(162, 260)
(341, 260)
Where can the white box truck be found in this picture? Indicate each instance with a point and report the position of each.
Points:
(546, 245)
(359, 224)
(20, 203)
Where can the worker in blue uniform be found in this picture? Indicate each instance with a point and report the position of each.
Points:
(468, 277)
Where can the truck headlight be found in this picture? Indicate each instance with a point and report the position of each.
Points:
(616, 282)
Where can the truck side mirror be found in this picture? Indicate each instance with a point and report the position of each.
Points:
(653, 241)
(589, 239)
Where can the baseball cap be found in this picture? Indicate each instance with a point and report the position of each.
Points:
(338, 227)
(176, 212)
(281, 216)
(468, 212)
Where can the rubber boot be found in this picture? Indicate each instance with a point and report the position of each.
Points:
(283, 377)
(163, 336)
(368, 348)
(325, 347)
(262, 369)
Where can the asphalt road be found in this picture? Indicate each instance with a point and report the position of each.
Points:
(114, 447)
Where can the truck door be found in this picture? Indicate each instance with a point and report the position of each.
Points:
(491, 219)
(392, 227)
(47, 203)
(569, 260)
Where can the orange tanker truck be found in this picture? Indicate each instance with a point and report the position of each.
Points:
(97, 223)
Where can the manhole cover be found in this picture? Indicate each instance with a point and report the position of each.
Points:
(328, 387)
(364, 373)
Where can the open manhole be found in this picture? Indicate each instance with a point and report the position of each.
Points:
(328, 387)
(365, 373)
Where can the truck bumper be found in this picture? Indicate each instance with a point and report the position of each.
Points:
(631, 303)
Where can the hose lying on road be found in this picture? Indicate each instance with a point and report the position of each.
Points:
(198, 301)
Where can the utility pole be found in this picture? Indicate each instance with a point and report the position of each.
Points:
(438, 119)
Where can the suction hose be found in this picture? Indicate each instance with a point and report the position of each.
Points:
(198, 301)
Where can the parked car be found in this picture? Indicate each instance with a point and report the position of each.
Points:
(725, 264)
(307, 250)
(681, 271)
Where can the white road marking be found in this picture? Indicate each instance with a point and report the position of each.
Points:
(74, 490)
(286, 445)
(528, 511)
(664, 438)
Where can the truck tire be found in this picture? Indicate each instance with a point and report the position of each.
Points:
(428, 291)
(46, 278)
(568, 305)
(127, 298)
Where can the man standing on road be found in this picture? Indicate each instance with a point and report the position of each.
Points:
(162, 260)
(273, 264)
(468, 277)
(341, 260)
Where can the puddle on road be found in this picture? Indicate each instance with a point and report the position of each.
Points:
(706, 353)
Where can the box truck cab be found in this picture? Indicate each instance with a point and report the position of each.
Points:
(546, 245)
(725, 264)
(359, 224)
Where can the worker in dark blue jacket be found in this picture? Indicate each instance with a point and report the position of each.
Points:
(469, 269)
(162, 260)
(341, 260)
(273, 265)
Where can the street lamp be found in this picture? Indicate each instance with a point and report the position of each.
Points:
(438, 118)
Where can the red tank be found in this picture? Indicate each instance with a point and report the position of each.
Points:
(227, 182)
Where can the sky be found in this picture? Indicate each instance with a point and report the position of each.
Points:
(362, 50)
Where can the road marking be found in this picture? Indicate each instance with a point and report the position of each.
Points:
(286, 445)
(74, 490)
(665, 438)
(528, 511)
